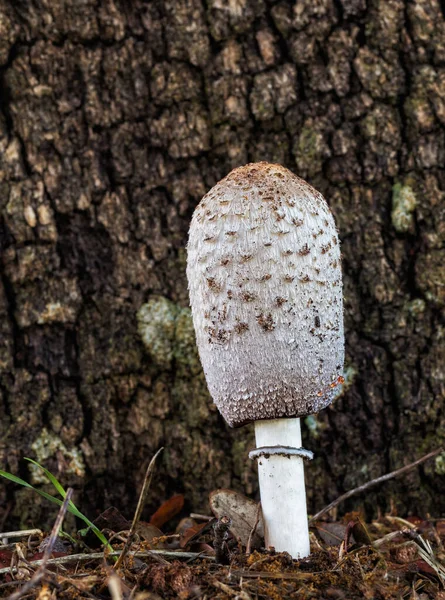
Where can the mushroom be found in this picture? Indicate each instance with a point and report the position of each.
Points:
(265, 287)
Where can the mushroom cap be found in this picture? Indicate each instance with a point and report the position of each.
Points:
(265, 288)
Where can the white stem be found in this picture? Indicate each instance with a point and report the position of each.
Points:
(283, 494)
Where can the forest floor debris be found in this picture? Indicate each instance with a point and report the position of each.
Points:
(391, 557)
(388, 558)
(407, 564)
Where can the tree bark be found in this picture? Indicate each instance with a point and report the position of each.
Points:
(115, 118)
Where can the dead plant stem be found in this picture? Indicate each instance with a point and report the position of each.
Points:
(63, 560)
(139, 509)
(373, 482)
(39, 574)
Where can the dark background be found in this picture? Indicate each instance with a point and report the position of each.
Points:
(115, 118)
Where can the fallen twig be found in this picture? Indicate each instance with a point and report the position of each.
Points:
(399, 521)
(139, 508)
(10, 584)
(114, 587)
(373, 482)
(271, 575)
(228, 590)
(38, 575)
(63, 560)
(253, 531)
(18, 534)
(387, 538)
(199, 517)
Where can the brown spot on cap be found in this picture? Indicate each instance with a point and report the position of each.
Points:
(214, 285)
(248, 296)
(279, 301)
(266, 322)
(241, 327)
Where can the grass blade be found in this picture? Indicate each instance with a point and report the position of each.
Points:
(15, 479)
(24, 483)
(58, 486)
(50, 476)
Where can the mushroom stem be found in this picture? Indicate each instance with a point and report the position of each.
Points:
(281, 477)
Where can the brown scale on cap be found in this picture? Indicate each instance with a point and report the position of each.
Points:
(261, 355)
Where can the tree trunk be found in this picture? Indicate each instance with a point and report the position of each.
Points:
(115, 118)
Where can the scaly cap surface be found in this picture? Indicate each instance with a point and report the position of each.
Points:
(266, 294)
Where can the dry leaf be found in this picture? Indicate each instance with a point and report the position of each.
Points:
(361, 534)
(332, 534)
(421, 566)
(192, 534)
(148, 533)
(112, 519)
(242, 511)
(167, 510)
(184, 524)
(5, 558)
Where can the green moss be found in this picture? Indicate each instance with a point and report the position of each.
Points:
(403, 205)
(416, 307)
(430, 275)
(192, 399)
(185, 350)
(167, 332)
(181, 260)
(370, 125)
(240, 451)
(308, 141)
(313, 425)
(156, 326)
(47, 445)
(418, 107)
(364, 470)
(310, 150)
(439, 464)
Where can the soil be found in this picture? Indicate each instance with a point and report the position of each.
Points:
(389, 558)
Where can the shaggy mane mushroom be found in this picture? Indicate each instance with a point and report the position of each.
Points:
(266, 295)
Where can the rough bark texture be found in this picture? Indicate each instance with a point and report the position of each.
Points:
(115, 118)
